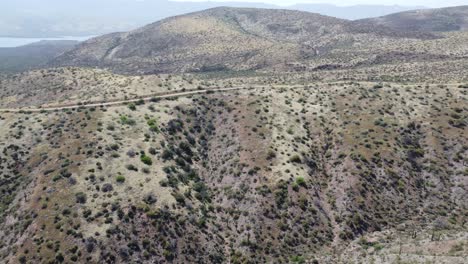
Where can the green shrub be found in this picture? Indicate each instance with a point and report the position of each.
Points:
(124, 120)
(120, 178)
(146, 160)
(298, 259)
(153, 125)
(301, 181)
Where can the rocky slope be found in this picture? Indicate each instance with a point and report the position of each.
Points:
(267, 175)
(354, 153)
(224, 39)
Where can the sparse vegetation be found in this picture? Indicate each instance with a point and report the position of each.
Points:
(320, 162)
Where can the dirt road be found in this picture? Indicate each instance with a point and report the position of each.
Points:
(120, 102)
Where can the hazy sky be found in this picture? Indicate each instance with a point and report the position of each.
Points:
(428, 3)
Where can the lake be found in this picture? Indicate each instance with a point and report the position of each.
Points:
(7, 42)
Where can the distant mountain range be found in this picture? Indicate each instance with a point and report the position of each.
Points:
(429, 20)
(51, 18)
(271, 39)
(32, 55)
(281, 39)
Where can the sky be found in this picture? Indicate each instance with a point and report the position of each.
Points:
(428, 3)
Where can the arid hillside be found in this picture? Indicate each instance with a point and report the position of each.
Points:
(276, 174)
(241, 136)
(430, 20)
(73, 86)
(226, 39)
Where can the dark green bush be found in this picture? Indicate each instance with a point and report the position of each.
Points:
(146, 160)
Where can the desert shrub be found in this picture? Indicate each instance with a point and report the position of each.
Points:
(124, 120)
(66, 211)
(120, 178)
(281, 194)
(298, 259)
(186, 148)
(114, 147)
(174, 126)
(153, 125)
(271, 155)
(380, 122)
(179, 198)
(22, 259)
(150, 199)
(146, 160)
(301, 181)
(167, 155)
(107, 187)
(59, 258)
(152, 151)
(203, 193)
(131, 167)
(131, 153)
(132, 106)
(295, 159)
(80, 198)
(457, 123)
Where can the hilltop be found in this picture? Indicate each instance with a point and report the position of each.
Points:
(427, 20)
(224, 39)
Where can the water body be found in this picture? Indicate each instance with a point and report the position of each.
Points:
(7, 42)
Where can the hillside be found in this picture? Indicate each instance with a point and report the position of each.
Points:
(223, 39)
(33, 55)
(428, 20)
(270, 174)
(238, 135)
(34, 18)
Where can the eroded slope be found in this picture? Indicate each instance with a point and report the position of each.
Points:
(260, 175)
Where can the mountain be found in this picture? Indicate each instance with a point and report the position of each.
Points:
(31, 18)
(239, 135)
(353, 12)
(32, 55)
(223, 39)
(429, 20)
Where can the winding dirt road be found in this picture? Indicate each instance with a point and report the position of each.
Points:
(120, 102)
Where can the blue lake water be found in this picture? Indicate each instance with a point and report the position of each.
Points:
(7, 42)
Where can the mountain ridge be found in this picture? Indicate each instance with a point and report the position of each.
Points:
(176, 45)
(36, 19)
(33, 55)
(426, 20)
